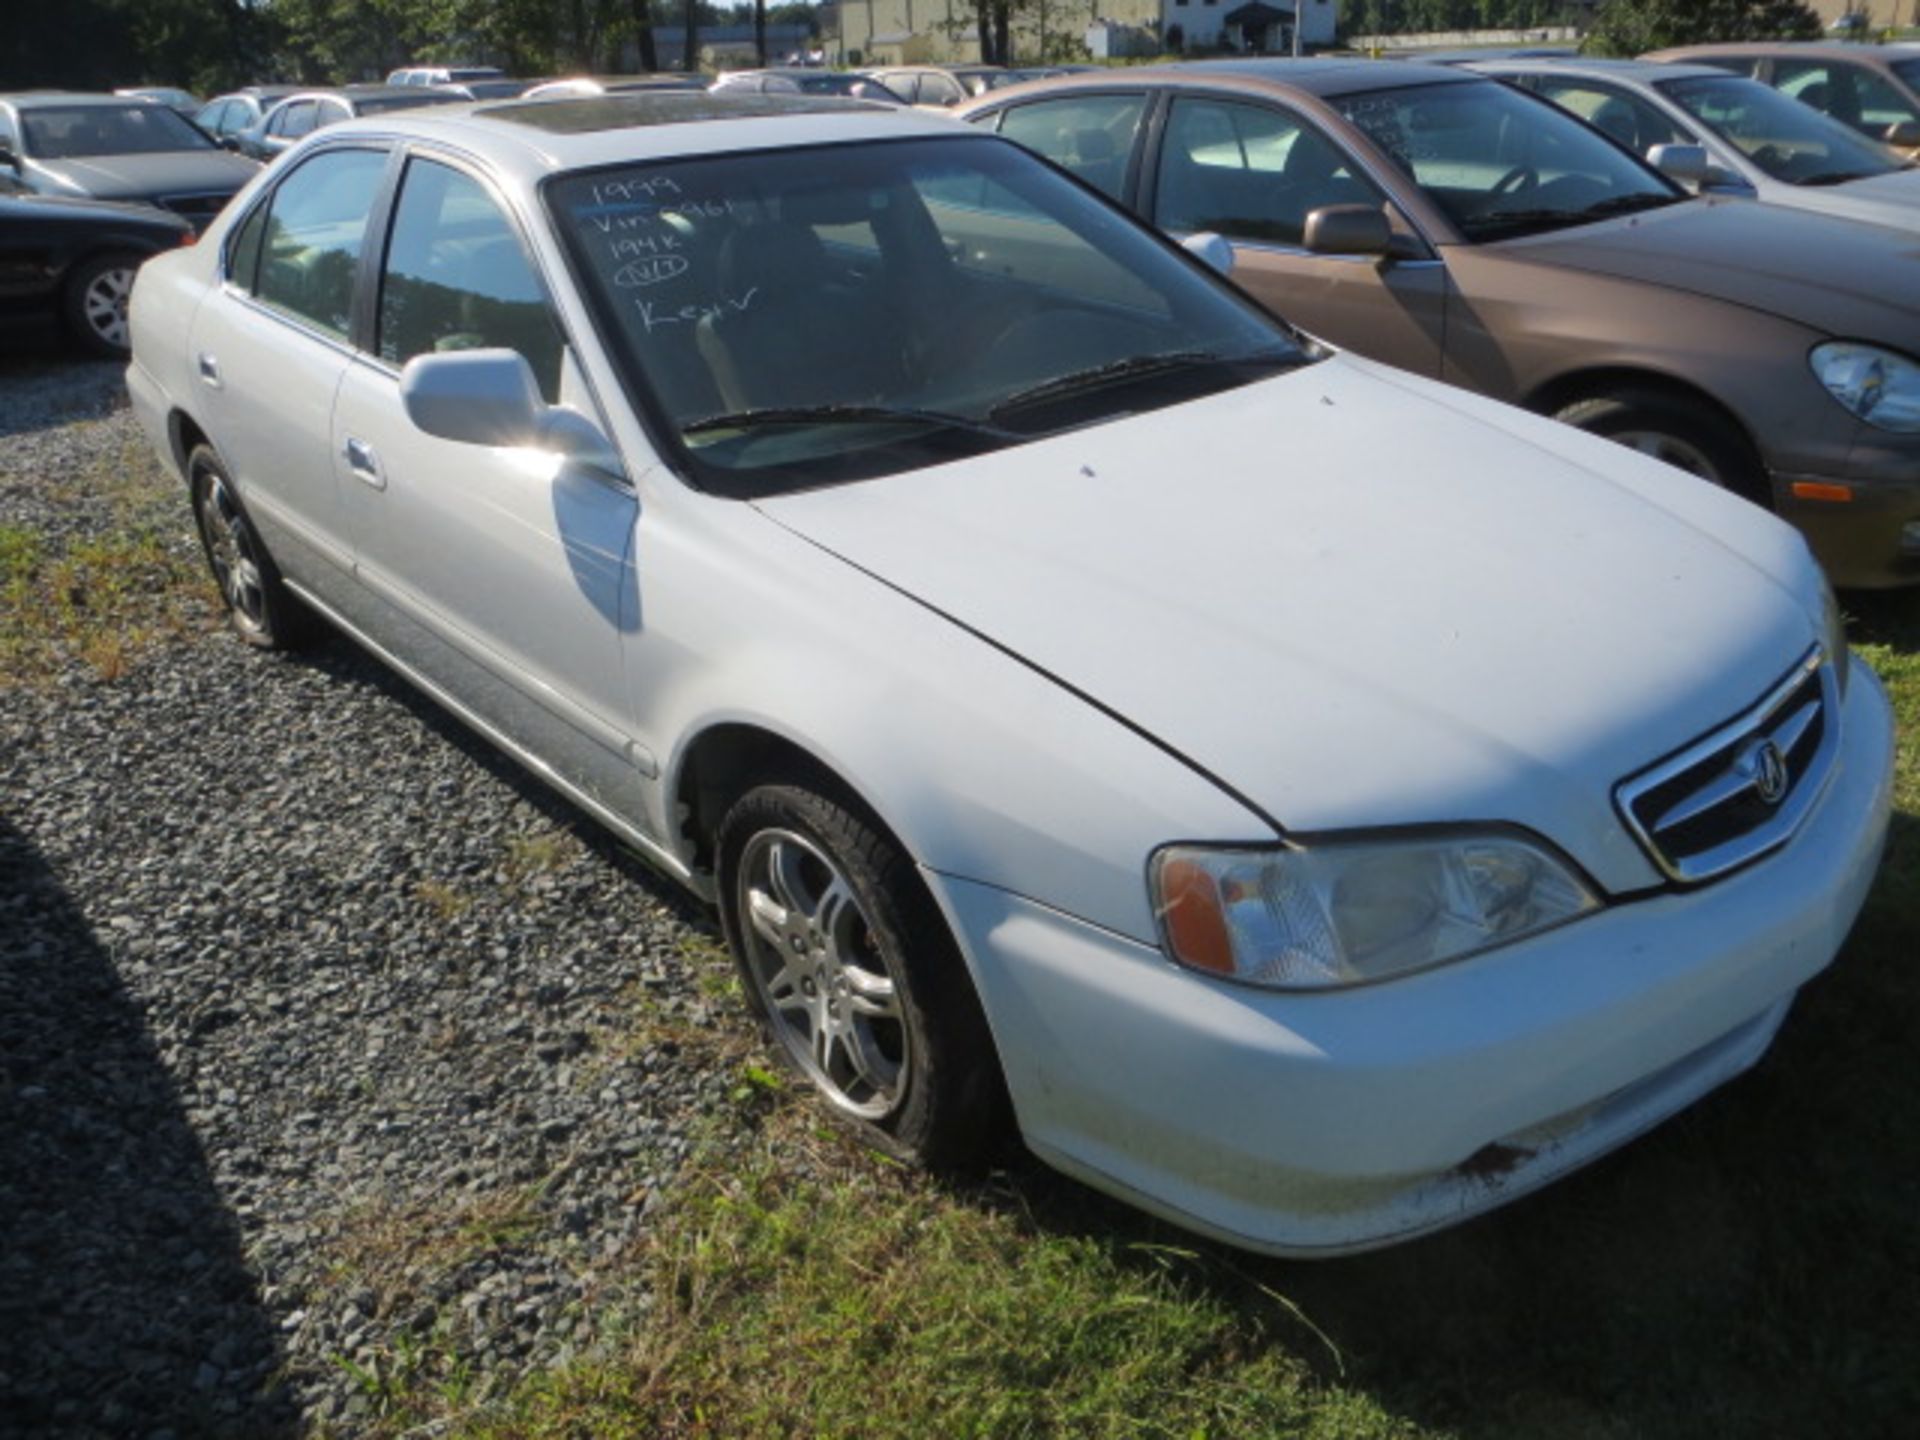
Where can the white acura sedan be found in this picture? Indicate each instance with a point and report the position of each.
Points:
(1313, 803)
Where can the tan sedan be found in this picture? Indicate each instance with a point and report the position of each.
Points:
(1447, 224)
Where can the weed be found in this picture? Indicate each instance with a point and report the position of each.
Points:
(447, 901)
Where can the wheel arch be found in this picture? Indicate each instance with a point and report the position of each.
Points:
(184, 433)
(1553, 396)
(726, 759)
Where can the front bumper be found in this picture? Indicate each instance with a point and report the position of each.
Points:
(1322, 1124)
(1871, 540)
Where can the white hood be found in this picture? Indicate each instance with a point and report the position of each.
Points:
(1358, 598)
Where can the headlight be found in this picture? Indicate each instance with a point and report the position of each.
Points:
(1835, 624)
(1345, 914)
(1882, 387)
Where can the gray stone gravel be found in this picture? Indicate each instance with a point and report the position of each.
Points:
(330, 1045)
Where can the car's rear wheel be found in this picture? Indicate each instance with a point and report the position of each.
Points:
(1688, 436)
(97, 294)
(262, 610)
(849, 966)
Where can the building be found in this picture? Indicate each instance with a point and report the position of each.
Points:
(1876, 15)
(1250, 27)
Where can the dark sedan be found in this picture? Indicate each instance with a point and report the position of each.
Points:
(102, 147)
(73, 261)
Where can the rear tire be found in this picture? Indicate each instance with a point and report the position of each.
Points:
(261, 609)
(1689, 436)
(96, 302)
(850, 968)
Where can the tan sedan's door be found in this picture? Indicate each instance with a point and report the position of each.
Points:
(1252, 173)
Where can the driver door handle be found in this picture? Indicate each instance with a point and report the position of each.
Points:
(364, 463)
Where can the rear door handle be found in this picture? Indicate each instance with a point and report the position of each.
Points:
(364, 463)
(209, 369)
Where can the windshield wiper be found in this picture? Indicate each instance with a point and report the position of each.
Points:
(1834, 177)
(1134, 367)
(1501, 220)
(842, 415)
(1627, 205)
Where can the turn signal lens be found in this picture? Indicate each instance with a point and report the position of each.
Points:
(1195, 919)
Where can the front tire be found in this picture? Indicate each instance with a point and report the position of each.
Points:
(1691, 437)
(261, 609)
(849, 966)
(96, 303)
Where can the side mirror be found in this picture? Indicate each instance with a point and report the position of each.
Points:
(489, 397)
(229, 142)
(1348, 230)
(1211, 249)
(1686, 164)
(1904, 135)
(7, 157)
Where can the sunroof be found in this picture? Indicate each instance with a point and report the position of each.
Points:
(664, 107)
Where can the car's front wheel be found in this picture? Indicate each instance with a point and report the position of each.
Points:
(97, 294)
(1690, 437)
(261, 608)
(848, 964)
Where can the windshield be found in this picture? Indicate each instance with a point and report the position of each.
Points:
(67, 132)
(1781, 136)
(1502, 163)
(800, 316)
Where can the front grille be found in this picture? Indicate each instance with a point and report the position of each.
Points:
(196, 210)
(1743, 790)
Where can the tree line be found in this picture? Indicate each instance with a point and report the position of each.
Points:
(212, 45)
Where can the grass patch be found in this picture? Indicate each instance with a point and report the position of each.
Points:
(449, 902)
(104, 602)
(875, 1303)
(529, 856)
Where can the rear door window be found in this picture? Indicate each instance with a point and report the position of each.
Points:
(316, 225)
(1092, 136)
(1249, 172)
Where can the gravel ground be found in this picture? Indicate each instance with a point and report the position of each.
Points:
(330, 1045)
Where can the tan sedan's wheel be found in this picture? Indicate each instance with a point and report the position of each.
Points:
(1688, 436)
(850, 967)
(262, 610)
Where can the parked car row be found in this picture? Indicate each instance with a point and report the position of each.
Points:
(1471, 231)
(1302, 797)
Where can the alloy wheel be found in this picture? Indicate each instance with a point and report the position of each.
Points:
(826, 988)
(104, 304)
(232, 553)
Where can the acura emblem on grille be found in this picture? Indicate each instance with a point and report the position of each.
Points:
(1695, 811)
(1762, 763)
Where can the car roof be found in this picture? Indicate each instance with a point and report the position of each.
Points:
(531, 139)
(1786, 50)
(1648, 70)
(1319, 77)
(48, 99)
